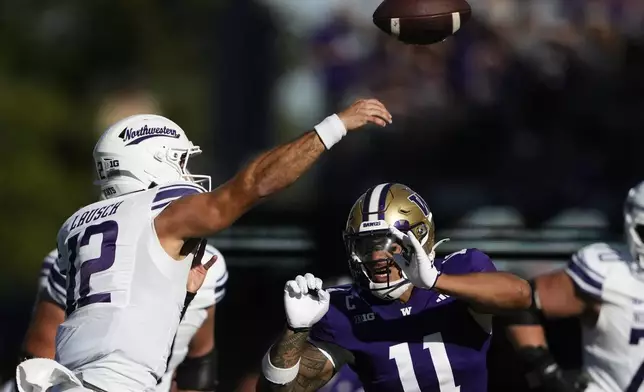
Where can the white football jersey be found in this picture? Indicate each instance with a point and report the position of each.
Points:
(124, 294)
(213, 290)
(613, 350)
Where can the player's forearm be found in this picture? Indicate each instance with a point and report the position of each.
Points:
(278, 168)
(285, 354)
(488, 291)
(206, 214)
(287, 351)
(267, 174)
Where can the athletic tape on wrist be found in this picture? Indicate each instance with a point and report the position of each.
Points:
(277, 375)
(331, 130)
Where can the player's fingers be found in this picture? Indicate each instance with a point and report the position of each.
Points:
(310, 281)
(375, 101)
(397, 233)
(211, 262)
(400, 236)
(378, 111)
(414, 241)
(380, 108)
(318, 284)
(292, 288)
(377, 120)
(301, 282)
(323, 296)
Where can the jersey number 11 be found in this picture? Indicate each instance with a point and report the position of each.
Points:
(434, 344)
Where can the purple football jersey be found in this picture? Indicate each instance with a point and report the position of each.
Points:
(432, 343)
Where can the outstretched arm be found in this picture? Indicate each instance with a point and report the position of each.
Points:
(315, 369)
(487, 292)
(204, 214)
(473, 279)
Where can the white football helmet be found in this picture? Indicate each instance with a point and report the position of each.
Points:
(143, 151)
(634, 225)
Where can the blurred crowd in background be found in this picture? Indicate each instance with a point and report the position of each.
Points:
(535, 107)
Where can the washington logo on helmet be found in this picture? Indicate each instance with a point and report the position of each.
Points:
(131, 136)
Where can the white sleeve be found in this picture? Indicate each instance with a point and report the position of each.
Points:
(214, 287)
(588, 267)
(52, 281)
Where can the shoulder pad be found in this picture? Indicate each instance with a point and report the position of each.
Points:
(342, 288)
(168, 193)
(589, 267)
(339, 292)
(466, 261)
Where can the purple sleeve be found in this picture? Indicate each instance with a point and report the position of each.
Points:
(480, 262)
(467, 261)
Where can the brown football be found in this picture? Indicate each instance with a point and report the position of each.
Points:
(421, 22)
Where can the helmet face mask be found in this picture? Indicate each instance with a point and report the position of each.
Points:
(143, 151)
(370, 246)
(634, 227)
(372, 257)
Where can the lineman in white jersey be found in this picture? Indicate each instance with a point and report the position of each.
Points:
(604, 286)
(49, 312)
(129, 259)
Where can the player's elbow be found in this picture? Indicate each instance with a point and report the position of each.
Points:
(521, 294)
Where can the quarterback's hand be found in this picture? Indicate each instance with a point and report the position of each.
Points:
(364, 111)
(420, 269)
(198, 270)
(304, 301)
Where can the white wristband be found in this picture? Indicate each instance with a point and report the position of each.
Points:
(331, 130)
(277, 375)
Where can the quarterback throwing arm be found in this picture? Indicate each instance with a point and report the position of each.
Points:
(204, 214)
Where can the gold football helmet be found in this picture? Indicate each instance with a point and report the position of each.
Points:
(370, 244)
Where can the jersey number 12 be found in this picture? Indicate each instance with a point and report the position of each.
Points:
(434, 344)
(108, 230)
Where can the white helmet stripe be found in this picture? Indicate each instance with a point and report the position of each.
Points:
(373, 202)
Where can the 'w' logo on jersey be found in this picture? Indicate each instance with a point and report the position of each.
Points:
(406, 311)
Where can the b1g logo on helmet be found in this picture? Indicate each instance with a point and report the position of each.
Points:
(416, 199)
(131, 136)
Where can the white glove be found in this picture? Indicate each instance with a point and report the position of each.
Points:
(420, 270)
(304, 301)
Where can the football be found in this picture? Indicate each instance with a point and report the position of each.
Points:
(421, 22)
